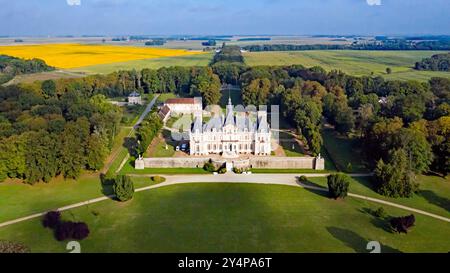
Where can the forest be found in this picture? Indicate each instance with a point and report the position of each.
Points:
(11, 66)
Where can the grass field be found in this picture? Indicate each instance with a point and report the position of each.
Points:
(433, 196)
(235, 218)
(343, 151)
(67, 56)
(152, 63)
(357, 63)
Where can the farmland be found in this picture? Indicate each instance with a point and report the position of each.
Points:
(357, 63)
(69, 56)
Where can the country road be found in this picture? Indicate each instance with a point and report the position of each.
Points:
(266, 179)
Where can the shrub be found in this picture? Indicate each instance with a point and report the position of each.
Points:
(222, 170)
(51, 219)
(13, 247)
(123, 188)
(209, 167)
(71, 230)
(158, 179)
(403, 224)
(338, 185)
(380, 213)
(237, 170)
(303, 179)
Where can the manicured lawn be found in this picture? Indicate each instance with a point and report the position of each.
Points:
(158, 147)
(433, 196)
(234, 218)
(353, 62)
(291, 145)
(342, 151)
(19, 200)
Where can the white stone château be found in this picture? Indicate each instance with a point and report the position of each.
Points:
(231, 135)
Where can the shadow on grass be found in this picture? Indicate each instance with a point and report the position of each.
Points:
(107, 186)
(379, 222)
(355, 241)
(321, 191)
(435, 199)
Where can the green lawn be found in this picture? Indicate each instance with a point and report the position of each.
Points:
(433, 196)
(192, 60)
(234, 218)
(353, 62)
(342, 150)
(19, 199)
(291, 145)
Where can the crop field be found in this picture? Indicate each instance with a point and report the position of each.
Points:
(155, 63)
(357, 63)
(68, 56)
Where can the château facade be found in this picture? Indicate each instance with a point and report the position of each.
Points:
(231, 135)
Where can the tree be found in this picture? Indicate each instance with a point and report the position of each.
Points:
(49, 88)
(417, 149)
(388, 70)
(97, 150)
(123, 188)
(403, 224)
(206, 84)
(395, 178)
(338, 185)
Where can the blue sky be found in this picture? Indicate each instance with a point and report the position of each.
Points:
(200, 17)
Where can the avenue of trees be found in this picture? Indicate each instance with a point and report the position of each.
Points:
(438, 62)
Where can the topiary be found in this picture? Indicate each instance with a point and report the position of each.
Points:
(51, 219)
(338, 185)
(158, 179)
(303, 179)
(209, 167)
(123, 188)
(380, 213)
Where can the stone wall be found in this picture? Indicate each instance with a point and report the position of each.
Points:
(312, 163)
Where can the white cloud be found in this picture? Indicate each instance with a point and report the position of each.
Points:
(74, 2)
(374, 2)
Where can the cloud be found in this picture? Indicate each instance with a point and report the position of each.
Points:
(74, 2)
(374, 2)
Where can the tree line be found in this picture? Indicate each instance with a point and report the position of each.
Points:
(390, 44)
(438, 62)
(12, 66)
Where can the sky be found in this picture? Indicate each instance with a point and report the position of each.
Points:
(223, 17)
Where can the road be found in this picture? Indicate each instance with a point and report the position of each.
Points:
(266, 179)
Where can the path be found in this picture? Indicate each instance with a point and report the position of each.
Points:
(115, 153)
(267, 179)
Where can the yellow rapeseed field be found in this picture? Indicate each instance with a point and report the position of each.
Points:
(68, 56)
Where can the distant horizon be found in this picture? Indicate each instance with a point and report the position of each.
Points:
(231, 35)
(41, 18)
